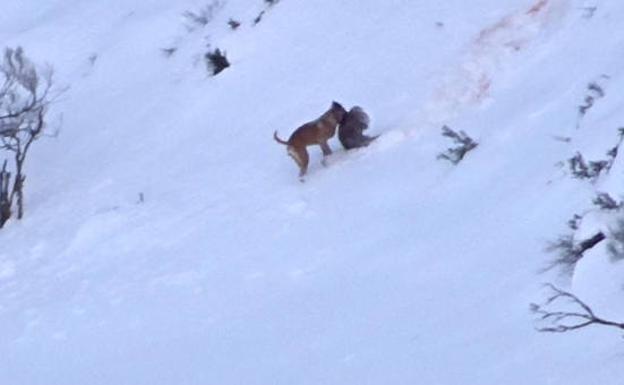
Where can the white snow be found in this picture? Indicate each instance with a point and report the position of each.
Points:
(386, 267)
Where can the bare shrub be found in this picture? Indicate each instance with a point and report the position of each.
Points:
(604, 201)
(464, 144)
(234, 24)
(560, 321)
(613, 152)
(216, 61)
(575, 222)
(25, 95)
(568, 252)
(201, 17)
(581, 169)
(594, 91)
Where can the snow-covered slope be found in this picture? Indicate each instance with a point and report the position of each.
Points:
(386, 267)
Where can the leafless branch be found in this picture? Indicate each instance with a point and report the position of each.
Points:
(561, 321)
(464, 144)
(25, 97)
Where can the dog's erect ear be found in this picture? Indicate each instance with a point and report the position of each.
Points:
(337, 106)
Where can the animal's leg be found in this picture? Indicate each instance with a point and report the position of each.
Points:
(326, 152)
(305, 159)
(295, 155)
(301, 157)
(326, 149)
(369, 139)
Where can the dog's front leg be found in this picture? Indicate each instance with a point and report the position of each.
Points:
(326, 152)
(325, 148)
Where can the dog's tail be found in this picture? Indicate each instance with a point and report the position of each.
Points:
(278, 140)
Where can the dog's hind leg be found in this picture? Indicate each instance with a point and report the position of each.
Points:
(305, 159)
(301, 157)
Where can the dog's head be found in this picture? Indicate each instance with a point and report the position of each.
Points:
(338, 110)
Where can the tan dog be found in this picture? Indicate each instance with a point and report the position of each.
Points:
(315, 132)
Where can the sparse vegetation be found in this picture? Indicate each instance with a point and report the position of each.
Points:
(560, 321)
(269, 4)
(201, 17)
(464, 144)
(169, 51)
(258, 18)
(594, 92)
(582, 169)
(234, 24)
(25, 95)
(575, 222)
(568, 252)
(216, 61)
(604, 201)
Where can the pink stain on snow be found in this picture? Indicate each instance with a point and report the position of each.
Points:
(483, 88)
(537, 7)
(490, 31)
(492, 48)
(504, 34)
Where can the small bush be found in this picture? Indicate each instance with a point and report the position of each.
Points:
(216, 61)
(604, 201)
(201, 17)
(464, 144)
(25, 96)
(575, 222)
(234, 24)
(592, 170)
(581, 169)
(594, 91)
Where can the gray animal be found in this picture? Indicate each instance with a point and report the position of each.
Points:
(351, 129)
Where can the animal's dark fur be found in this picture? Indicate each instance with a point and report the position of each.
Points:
(351, 129)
